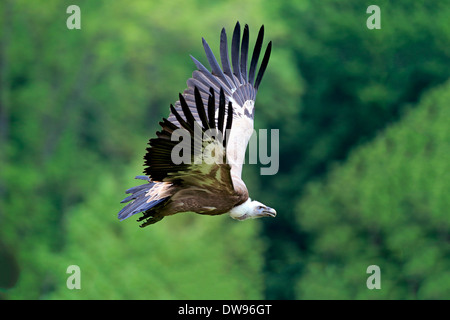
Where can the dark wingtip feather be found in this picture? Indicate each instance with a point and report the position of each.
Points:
(263, 66)
(187, 112)
(221, 116)
(235, 51)
(244, 53)
(228, 124)
(211, 109)
(255, 56)
(198, 64)
(178, 117)
(216, 70)
(200, 108)
(224, 54)
(211, 59)
(205, 72)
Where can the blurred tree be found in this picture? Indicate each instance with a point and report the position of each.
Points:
(75, 104)
(356, 82)
(388, 206)
(186, 257)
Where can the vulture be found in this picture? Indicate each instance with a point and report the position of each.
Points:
(195, 162)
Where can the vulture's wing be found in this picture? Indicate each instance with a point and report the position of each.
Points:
(238, 83)
(193, 153)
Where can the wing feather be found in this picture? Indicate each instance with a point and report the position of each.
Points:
(216, 70)
(255, 56)
(263, 66)
(244, 53)
(158, 159)
(235, 52)
(239, 85)
(225, 58)
(211, 110)
(221, 116)
(201, 108)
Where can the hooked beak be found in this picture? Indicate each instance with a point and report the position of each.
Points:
(269, 212)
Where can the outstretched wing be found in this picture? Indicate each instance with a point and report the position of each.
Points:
(238, 84)
(192, 153)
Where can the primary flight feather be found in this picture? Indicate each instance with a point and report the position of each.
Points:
(214, 119)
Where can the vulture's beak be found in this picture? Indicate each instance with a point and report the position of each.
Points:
(269, 212)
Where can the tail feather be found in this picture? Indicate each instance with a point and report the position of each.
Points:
(139, 203)
(137, 192)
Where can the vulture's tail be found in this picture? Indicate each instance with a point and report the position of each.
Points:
(141, 201)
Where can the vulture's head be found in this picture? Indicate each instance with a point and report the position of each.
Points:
(251, 210)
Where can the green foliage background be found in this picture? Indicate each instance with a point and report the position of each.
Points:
(364, 151)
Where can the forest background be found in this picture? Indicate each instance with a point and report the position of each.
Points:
(364, 176)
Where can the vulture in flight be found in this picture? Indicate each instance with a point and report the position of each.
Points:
(211, 125)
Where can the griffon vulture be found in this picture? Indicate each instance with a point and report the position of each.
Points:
(214, 118)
